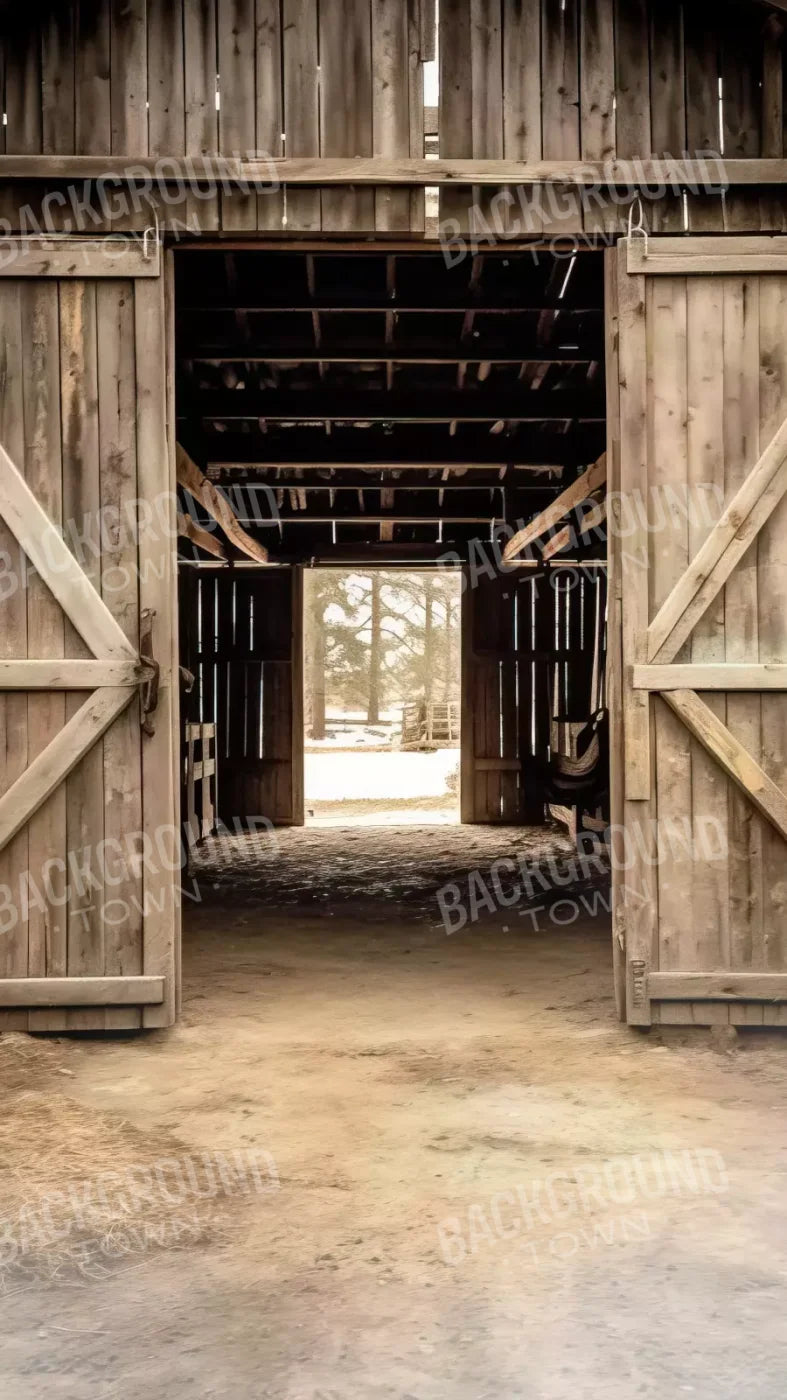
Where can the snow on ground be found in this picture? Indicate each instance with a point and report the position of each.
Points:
(333, 777)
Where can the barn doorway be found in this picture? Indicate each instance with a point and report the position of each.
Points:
(382, 696)
(377, 415)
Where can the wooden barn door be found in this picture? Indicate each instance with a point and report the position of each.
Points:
(246, 655)
(89, 841)
(504, 727)
(698, 429)
(489, 749)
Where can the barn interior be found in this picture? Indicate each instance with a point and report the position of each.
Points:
(377, 409)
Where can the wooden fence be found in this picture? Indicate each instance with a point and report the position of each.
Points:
(200, 781)
(427, 724)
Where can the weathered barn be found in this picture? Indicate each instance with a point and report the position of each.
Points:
(246, 259)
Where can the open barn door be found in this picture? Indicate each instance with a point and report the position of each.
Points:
(243, 642)
(89, 839)
(698, 430)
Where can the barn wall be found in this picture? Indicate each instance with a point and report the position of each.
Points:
(593, 80)
(141, 79)
(522, 79)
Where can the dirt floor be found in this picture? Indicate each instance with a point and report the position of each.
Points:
(374, 1162)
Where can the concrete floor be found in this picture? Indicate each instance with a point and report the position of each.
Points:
(412, 1090)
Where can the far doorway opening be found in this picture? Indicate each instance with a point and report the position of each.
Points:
(381, 696)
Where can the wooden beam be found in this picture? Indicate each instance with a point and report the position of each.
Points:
(190, 530)
(80, 257)
(595, 516)
(81, 991)
(349, 405)
(341, 516)
(415, 477)
(412, 449)
(739, 765)
(569, 499)
(724, 676)
(53, 764)
(718, 986)
(57, 566)
(683, 257)
(726, 544)
(377, 352)
(345, 301)
(65, 674)
(379, 170)
(217, 505)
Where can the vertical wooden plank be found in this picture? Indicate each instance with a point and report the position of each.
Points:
(667, 103)
(226, 687)
(614, 666)
(81, 515)
(237, 101)
(772, 111)
(129, 77)
(741, 72)
(301, 105)
(175, 631)
(597, 103)
(467, 703)
(296, 697)
(93, 121)
(156, 592)
(524, 683)
(668, 473)
(58, 59)
(640, 889)
(202, 118)
(560, 106)
(417, 55)
(269, 105)
(277, 722)
(521, 81)
(14, 859)
(166, 78)
(632, 69)
(46, 714)
(772, 203)
(486, 77)
(701, 56)
(455, 102)
(346, 107)
(121, 900)
(741, 448)
(532, 616)
(560, 81)
(544, 604)
(772, 615)
(707, 945)
(481, 685)
(23, 94)
(597, 85)
(3, 56)
(390, 106)
(509, 718)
